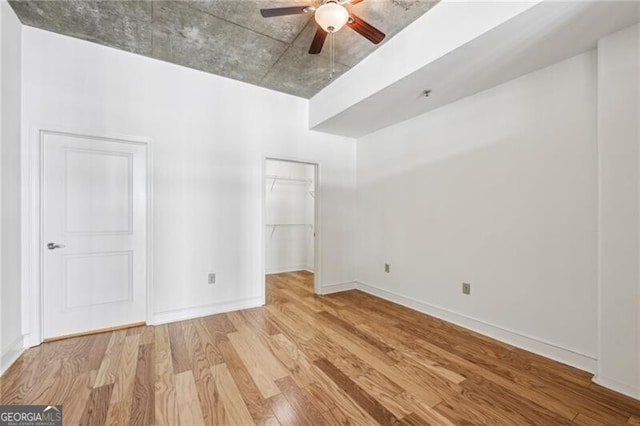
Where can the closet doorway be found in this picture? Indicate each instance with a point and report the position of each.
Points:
(291, 213)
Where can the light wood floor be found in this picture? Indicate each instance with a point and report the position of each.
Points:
(304, 359)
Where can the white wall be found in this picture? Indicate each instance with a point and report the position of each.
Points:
(210, 137)
(10, 270)
(619, 185)
(289, 210)
(499, 190)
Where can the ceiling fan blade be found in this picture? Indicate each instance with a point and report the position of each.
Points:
(365, 29)
(318, 41)
(283, 11)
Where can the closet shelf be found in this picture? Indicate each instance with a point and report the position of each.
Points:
(287, 179)
(275, 225)
(289, 224)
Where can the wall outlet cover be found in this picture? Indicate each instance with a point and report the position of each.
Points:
(466, 288)
(212, 278)
(387, 267)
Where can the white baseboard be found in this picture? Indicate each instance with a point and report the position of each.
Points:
(282, 269)
(203, 311)
(308, 268)
(617, 386)
(338, 287)
(547, 349)
(11, 353)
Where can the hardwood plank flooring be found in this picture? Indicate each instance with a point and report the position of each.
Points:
(97, 406)
(346, 358)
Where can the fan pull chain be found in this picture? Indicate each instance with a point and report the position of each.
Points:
(332, 65)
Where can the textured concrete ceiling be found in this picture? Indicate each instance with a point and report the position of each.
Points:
(224, 37)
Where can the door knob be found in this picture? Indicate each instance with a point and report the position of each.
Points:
(53, 246)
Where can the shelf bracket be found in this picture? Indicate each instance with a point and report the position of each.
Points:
(273, 229)
(275, 178)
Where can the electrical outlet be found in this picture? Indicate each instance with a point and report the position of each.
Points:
(212, 278)
(466, 288)
(387, 268)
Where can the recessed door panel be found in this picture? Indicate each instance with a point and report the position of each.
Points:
(99, 192)
(97, 279)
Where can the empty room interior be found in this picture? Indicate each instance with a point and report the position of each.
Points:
(309, 212)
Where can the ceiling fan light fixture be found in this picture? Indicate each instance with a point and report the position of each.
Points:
(331, 16)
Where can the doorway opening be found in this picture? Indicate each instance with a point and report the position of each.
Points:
(291, 206)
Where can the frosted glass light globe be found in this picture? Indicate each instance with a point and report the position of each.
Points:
(331, 16)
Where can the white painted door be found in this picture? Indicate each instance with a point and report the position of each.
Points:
(94, 218)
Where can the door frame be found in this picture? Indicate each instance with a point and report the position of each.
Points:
(33, 225)
(317, 226)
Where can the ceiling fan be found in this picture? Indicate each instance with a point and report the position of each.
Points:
(331, 16)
